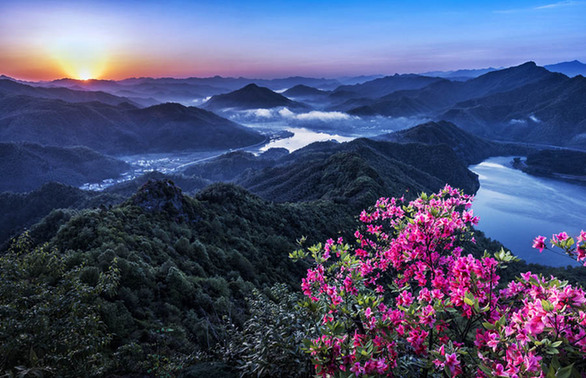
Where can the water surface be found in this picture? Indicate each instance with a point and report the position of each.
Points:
(515, 207)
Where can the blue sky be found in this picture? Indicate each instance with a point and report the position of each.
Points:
(115, 39)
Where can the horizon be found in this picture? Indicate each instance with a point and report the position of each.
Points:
(110, 40)
(89, 80)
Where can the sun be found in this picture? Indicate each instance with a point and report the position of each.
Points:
(84, 74)
(79, 58)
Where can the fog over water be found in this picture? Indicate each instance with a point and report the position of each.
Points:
(515, 207)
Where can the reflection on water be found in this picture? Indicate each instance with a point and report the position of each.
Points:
(515, 207)
(302, 137)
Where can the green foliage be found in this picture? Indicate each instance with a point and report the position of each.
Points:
(49, 317)
(270, 342)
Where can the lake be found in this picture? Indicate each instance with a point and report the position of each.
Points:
(515, 207)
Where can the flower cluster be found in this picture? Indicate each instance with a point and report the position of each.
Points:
(406, 291)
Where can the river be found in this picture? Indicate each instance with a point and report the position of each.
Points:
(515, 207)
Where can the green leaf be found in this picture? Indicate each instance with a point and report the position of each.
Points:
(565, 372)
(547, 305)
(469, 299)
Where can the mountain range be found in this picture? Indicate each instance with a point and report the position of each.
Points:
(115, 129)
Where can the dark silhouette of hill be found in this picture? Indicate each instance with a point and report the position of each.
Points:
(250, 97)
(13, 88)
(571, 69)
(470, 148)
(27, 166)
(118, 129)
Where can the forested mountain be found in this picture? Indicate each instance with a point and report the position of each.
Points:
(356, 172)
(31, 165)
(118, 129)
(184, 264)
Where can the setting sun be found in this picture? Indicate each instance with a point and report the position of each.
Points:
(84, 74)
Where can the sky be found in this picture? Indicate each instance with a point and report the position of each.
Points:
(112, 39)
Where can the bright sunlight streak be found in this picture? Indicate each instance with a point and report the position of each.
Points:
(80, 58)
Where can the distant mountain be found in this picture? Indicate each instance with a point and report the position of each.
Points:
(118, 129)
(9, 87)
(571, 69)
(304, 91)
(548, 111)
(443, 94)
(250, 97)
(460, 75)
(28, 166)
(148, 91)
(386, 85)
(523, 103)
(471, 149)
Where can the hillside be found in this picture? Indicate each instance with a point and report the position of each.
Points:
(250, 97)
(121, 129)
(31, 165)
(471, 149)
(357, 172)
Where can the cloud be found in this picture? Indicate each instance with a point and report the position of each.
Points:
(534, 119)
(259, 113)
(559, 4)
(517, 121)
(285, 113)
(322, 116)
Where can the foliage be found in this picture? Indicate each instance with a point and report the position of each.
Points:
(49, 317)
(406, 300)
(270, 342)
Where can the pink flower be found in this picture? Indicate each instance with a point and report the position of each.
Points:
(453, 364)
(539, 243)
